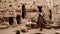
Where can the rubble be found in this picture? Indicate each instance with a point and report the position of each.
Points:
(17, 31)
(24, 30)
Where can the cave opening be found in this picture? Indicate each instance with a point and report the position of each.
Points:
(11, 20)
(40, 8)
(23, 11)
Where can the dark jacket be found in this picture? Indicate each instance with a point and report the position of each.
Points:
(41, 21)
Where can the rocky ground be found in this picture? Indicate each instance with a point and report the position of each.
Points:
(11, 30)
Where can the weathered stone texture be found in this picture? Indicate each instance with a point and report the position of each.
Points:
(12, 8)
(56, 11)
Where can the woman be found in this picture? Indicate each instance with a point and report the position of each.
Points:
(41, 21)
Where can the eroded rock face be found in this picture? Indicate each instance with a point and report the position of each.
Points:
(12, 8)
(56, 11)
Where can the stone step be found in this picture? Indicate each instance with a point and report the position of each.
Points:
(48, 27)
(3, 26)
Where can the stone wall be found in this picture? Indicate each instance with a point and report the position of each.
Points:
(56, 11)
(12, 8)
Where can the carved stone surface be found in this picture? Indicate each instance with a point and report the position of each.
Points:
(11, 8)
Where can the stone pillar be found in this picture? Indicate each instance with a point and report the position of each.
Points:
(14, 21)
(18, 18)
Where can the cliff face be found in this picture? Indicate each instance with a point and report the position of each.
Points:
(16, 4)
(12, 8)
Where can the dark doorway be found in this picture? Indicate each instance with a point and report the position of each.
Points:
(18, 18)
(50, 16)
(40, 8)
(23, 11)
(11, 20)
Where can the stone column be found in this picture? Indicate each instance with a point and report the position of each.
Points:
(18, 18)
(14, 21)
